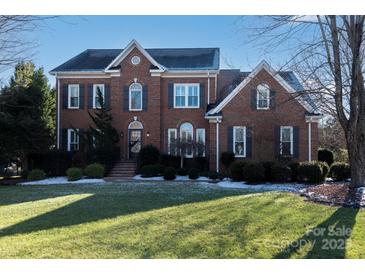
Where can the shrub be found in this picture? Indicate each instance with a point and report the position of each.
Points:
(340, 171)
(200, 163)
(94, 170)
(74, 173)
(325, 170)
(280, 173)
(236, 170)
(325, 155)
(182, 172)
(148, 155)
(268, 170)
(227, 158)
(194, 173)
(169, 173)
(36, 174)
(214, 175)
(310, 172)
(253, 172)
(204, 173)
(294, 171)
(152, 170)
(170, 160)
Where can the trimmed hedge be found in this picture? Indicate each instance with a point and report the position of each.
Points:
(310, 172)
(169, 173)
(236, 170)
(152, 170)
(182, 172)
(294, 171)
(340, 171)
(281, 173)
(193, 173)
(268, 170)
(253, 172)
(325, 155)
(214, 175)
(148, 155)
(36, 175)
(94, 170)
(170, 160)
(227, 158)
(74, 173)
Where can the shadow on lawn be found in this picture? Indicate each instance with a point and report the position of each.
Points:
(100, 206)
(328, 240)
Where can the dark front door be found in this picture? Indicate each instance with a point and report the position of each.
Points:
(135, 142)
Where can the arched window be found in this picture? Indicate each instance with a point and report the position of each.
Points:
(186, 138)
(263, 96)
(135, 96)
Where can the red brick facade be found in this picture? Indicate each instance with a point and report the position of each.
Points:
(159, 117)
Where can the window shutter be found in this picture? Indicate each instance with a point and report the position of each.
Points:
(230, 139)
(272, 99)
(107, 96)
(277, 141)
(202, 95)
(64, 139)
(248, 142)
(126, 98)
(253, 99)
(296, 142)
(65, 96)
(170, 95)
(144, 97)
(81, 138)
(90, 96)
(81, 96)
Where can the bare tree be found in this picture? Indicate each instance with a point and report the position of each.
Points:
(327, 53)
(183, 147)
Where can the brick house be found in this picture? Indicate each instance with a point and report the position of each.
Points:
(159, 95)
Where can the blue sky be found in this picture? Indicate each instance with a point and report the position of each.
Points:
(65, 37)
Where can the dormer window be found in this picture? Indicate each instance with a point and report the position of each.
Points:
(263, 96)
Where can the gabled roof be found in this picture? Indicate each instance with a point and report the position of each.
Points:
(286, 79)
(164, 58)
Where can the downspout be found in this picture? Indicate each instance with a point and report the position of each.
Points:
(310, 140)
(58, 113)
(217, 145)
(208, 87)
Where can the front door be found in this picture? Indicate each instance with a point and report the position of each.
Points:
(135, 142)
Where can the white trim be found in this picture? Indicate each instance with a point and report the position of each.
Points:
(69, 139)
(58, 112)
(70, 86)
(310, 141)
(169, 131)
(234, 142)
(263, 65)
(217, 145)
(128, 49)
(267, 89)
(94, 93)
(187, 85)
(183, 74)
(192, 138)
(291, 139)
(139, 124)
(130, 97)
(197, 134)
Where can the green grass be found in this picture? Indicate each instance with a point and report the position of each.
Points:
(168, 220)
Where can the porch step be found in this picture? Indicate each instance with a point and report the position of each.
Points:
(123, 169)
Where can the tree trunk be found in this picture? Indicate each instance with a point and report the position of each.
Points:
(24, 161)
(356, 151)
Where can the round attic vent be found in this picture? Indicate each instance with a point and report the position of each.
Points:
(135, 60)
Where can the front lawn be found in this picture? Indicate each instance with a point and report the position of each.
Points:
(171, 220)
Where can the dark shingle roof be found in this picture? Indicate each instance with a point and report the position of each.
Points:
(175, 59)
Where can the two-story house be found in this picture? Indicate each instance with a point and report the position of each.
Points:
(159, 95)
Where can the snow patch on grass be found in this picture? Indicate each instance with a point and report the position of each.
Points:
(178, 178)
(263, 187)
(63, 180)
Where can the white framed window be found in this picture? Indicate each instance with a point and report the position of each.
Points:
(73, 96)
(186, 95)
(239, 141)
(187, 137)
(135, 97)
(72, 140)
(97, 87)
(263, 96)
(171, 139)
(200, 139)
(135, 60)
(286, 140)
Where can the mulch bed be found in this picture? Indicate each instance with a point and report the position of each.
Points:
(335, 194)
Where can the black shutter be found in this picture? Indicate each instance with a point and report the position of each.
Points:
(272, 99)
(65, 96)
(277, 141)
(126, 98)
(248, 142)
(81, 96)
(90, 96)
(107, 96)
(202, 96)
(296, 142)
(81, 138)
(64, 139)
(170, 95)
(230, 139)
(145, 97)
(253, 99)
